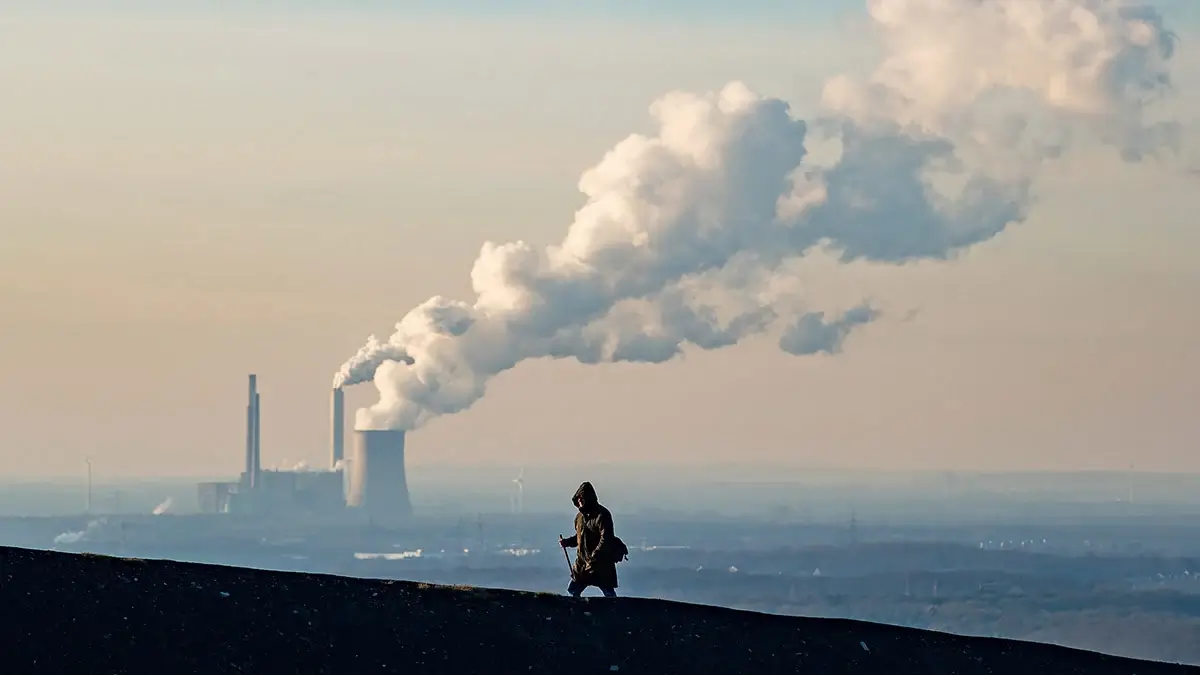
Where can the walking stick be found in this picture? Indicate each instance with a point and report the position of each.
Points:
(570, 567)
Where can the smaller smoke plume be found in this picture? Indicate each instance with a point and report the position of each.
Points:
(298, 467)
(74, 537)
(812, 334)
(70, 537)
(362, 366)
(163, 507)
(339, 465)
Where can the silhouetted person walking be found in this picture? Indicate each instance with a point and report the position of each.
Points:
(596, 559)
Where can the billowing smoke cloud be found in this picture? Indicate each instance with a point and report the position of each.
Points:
(684, 231)
(993, 73)
(164, 507)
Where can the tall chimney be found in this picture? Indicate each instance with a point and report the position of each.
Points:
(251, 420)
(337, 427)
(257, 441)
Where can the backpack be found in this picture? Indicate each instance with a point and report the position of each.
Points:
(619, 550)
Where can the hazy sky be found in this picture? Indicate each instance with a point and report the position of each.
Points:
(187, 196)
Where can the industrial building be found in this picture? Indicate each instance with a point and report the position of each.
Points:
(371, 480)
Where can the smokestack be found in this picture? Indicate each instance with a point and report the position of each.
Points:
(257, 440)
(251, 420)
(377, 481)
(337, 427)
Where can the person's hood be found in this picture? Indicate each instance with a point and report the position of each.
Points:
(585, 494)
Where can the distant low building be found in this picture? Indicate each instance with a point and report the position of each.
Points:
(214, 497)
(276, 492)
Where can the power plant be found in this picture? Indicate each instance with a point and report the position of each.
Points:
(371, 480)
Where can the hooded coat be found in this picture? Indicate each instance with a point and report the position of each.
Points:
(594, 564)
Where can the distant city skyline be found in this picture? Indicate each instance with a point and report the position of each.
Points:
(193, 196)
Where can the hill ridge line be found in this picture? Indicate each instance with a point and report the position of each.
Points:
(89, 613)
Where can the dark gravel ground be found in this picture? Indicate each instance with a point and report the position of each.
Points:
(64, 613)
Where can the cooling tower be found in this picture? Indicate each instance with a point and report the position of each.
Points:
(377, 482)
(337, 428)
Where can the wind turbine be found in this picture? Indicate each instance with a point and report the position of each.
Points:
(519, 481)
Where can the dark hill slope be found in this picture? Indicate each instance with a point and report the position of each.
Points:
(63, 613)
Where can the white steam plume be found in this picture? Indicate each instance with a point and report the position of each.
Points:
(164, 507)
(76, 536)
(684, 231)
(956, 67)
